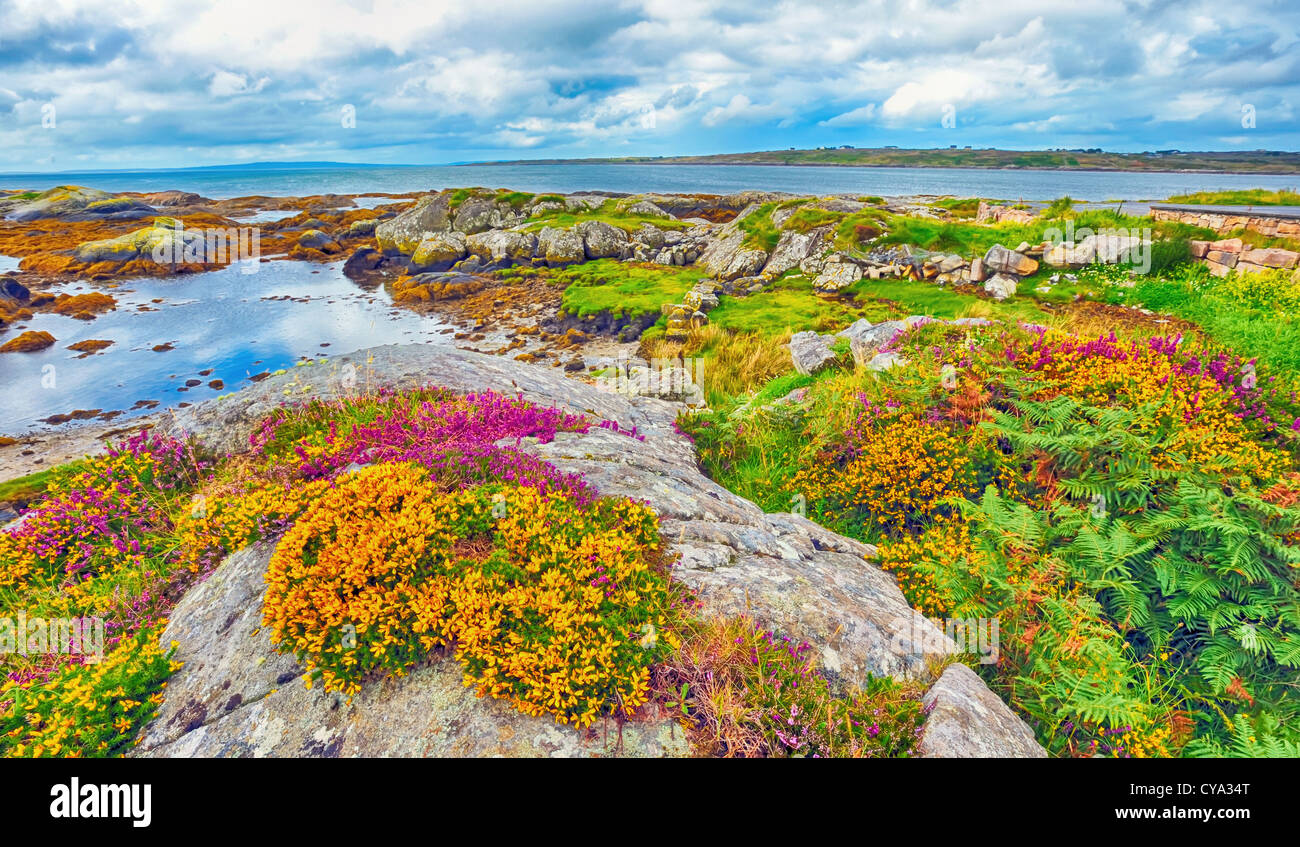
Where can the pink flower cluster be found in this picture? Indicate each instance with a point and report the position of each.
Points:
(467, 440)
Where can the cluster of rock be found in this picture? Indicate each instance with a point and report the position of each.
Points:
(72, 203)
(486, 231)
(236, 696)
(990, 214)
(1107, 248)
(1227, 255)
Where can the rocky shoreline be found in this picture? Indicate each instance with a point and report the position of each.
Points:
(488, 261)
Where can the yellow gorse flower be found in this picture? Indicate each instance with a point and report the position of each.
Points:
(542, 602)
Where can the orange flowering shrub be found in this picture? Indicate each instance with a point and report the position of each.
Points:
(216, 525)
(88, 709)
(559, 607)
(920, 564)
(1210, 413)
(896, 474)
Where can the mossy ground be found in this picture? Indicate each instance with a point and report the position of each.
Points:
(621, 289)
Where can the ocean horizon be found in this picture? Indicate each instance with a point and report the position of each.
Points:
(307, 179)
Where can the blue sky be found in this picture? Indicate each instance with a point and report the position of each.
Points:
(174, 84)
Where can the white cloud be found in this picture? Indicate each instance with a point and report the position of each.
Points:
(855, 117)
(192, 82)
(739, 110)
(227, 84)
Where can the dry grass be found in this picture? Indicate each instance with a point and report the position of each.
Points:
(736, 363)
(712, 665)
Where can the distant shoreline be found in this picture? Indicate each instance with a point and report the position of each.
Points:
(932, 167)
(1239, 163)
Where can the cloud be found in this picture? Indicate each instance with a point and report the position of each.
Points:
(739, 110)
(227, 84)
(192, 82)
(855, 117)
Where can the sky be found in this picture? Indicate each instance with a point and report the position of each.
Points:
(90, 85)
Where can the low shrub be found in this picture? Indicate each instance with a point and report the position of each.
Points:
(559, 608)
(744, 691)
(87, 710)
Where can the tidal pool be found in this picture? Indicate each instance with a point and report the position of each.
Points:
(233, 324)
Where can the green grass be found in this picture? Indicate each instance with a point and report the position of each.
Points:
(621, 288)
(1224, 316)
(760, 232)
(889, 299)
(787, 305)
(460, 195)
(24, 489)
(791, 305)
(960, 207)
(514, 199)
(1240, 197)
(607, 213)
(810, 218)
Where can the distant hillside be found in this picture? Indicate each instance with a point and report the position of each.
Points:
(1253, 161)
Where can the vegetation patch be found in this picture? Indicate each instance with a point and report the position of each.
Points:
(1124, 507)
(608, 212)
(1239, 197)
(621, 289)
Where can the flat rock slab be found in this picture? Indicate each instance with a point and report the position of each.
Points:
(236, 696)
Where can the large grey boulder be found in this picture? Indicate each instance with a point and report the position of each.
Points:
(404, 233)
(603, 241)
(865, 342)
(317, 240)
(858, 329)
(810, 351)
(502, 245)
(73, 203)
(969, 721)
(792, 249)
(107, 250)
(479, 214)
(726, 257)
(650, 235)
(560, 246)
(783, 570)
(1109, 248)
(648, 209)
(14, 291)
(439, 251)
(584, 202)
(1001, 286)
(999, 259)
(744, 263)
(1069, 255)
(837, 275)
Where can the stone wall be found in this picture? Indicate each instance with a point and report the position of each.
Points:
(1230, 254)
(1272, 226)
